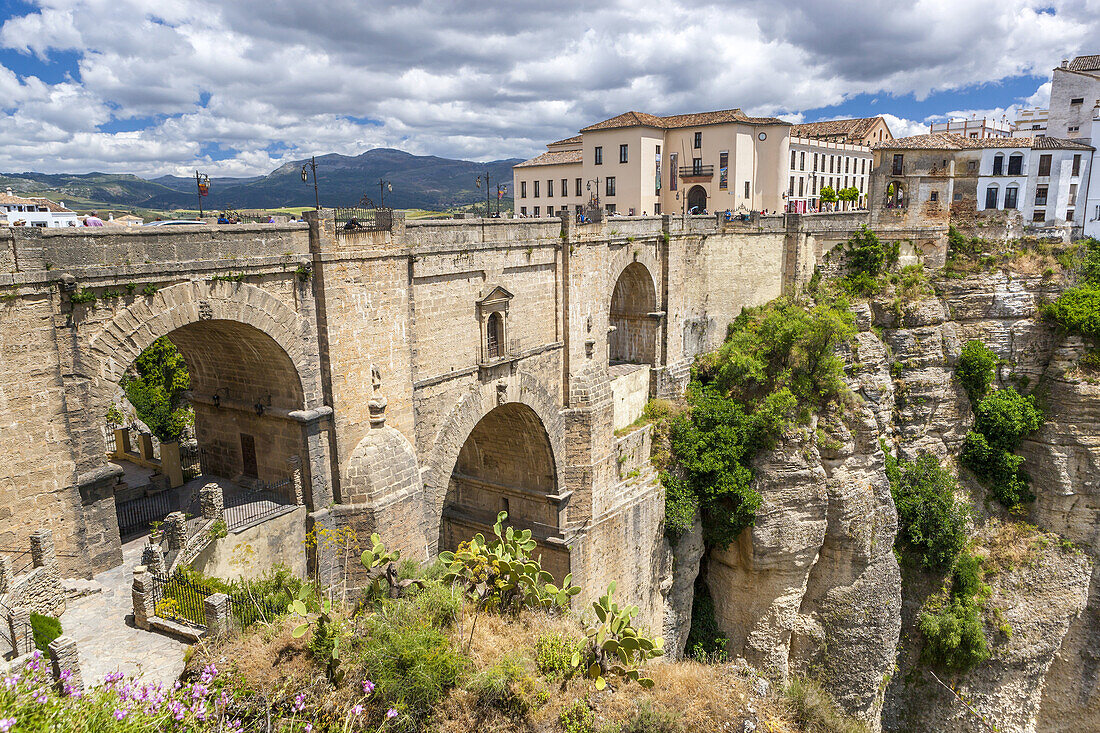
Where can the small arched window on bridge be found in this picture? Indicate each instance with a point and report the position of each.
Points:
(492, 314)
(494, 330)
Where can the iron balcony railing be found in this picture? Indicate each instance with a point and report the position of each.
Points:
(696, 171)
(350, 221)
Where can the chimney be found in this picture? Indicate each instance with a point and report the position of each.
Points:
(9, 191)
(1065, 63)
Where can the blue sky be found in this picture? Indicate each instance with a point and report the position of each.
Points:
(239, 88)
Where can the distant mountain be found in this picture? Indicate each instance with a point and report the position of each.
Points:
(418, 182)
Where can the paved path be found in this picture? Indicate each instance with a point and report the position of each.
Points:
(106, 642)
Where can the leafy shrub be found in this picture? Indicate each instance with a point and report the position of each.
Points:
(158, 391)
(975, 369)
(1077, 310)
(815, 710)
(650, 719)
(931, 521)
(576, 717)
(554, 654)
(1001, 470)
(44, 629)
(865, 253)
(506, 686)
(954, 637)
(439, 603)
(1006, 416)
(966, 577)
(1002, 419)
(777, 358)
(705, 642)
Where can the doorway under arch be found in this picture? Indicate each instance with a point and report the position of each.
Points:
(506, 464)
(696, 200)
(633, 338)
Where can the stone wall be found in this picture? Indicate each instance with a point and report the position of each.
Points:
(280, 540)
(38, 590)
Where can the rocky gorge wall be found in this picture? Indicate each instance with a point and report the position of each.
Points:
(814, 587)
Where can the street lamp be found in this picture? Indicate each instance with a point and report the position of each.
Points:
(383, 186)
(311, 165)
(502, 188)
(486, 193)
(202, 183)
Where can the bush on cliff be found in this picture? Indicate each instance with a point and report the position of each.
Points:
(1077, 310)
(931, 520)
(975, 369)
(777, 364)
(158, 391)
(1002, 419)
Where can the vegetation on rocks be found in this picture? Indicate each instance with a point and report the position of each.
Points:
(157, 390)
(932, 521)
(1078, 309)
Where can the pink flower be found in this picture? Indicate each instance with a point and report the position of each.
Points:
(368, 687)
(6, 724)
(391, 713)
(120, 714)
(300, 703)
(309, 727)
(358, 710)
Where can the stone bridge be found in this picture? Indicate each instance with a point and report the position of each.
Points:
(423, 378)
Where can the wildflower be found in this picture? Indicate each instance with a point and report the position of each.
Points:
(300, 702)
(309, 727)
(120, 714)
(6, 724)
(66, 674)
(358, 710)
(391, 713)
(368, 687)
(209, 672)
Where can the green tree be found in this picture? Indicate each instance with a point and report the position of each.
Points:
(848, 195)
(158, 388)
(931, 520)
(975, 369)
(827, 195)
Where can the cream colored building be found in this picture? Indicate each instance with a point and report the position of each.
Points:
(834, 154)
(640, 164)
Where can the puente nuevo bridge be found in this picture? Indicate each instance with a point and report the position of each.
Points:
(418, 379)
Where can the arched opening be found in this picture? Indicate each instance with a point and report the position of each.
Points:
(1015, 164)
(697, 200)
(494, 335)
(633, 337)
(998, 164)
(992, 194)
(895, 196)
(238, 430)
(1012, 194)
(506, 464)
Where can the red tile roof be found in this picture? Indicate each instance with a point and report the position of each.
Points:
(855, 129)
(953, 141)
(1085, 63)
(552, 157)
(696, 119)
(575, 140)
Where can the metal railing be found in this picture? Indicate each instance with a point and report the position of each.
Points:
(689, 171)
(136, 515)
(349, 221)
(190, 460)
(180, 599)
(14, 633)
(248, 507)
(246, 611)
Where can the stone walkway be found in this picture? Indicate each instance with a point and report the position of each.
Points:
(107, 642)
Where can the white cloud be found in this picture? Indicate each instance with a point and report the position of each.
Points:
(275, 80)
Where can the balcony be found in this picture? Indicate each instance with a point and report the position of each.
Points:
(696, 173)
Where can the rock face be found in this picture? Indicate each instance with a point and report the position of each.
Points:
(814, 586)
(677, 587)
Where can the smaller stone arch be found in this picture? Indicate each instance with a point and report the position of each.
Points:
(696, 200)
(633, 337)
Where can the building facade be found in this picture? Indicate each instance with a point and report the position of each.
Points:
(817, 164)
(933, 178)
(638, 164)
(35, 212)
(861, 131)
(974, 129)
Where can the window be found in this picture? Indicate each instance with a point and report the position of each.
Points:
(1040, 195)
(831, 159)
(610, 185)
(801, 185)
(494, 336)
(847, 163)
(998, 164)
(991, 195)
(696, 166)
(934, 196)
(723, 170)
(658, 150)
(549, 210)
(863, 166)
(802, 161)
(698, 140)
(1072, 195)
(1076, 165)
(536, 214)
(815, 161)
(1044, 165)
(899, 162)
(550, 189)
(971, 166)
(578, 184)
(1039, 216)
(565, 187)
(523, 189)
(623, 152)
(1015, 164)
(536, 190)
(974, 135)
(1011, 194)
(610, 208)
(746, 189)
(1069, 214)
(657, 209)
(599, 155)
(523, 211)
(793, 154)
(1077, 100)
(673, 171)
(791, 191)
(1073, 128)
(957, 197)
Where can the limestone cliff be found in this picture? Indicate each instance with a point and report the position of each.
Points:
(815, 588)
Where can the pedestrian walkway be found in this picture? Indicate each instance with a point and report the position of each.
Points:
(107, 641)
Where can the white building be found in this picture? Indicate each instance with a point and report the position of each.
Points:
(1031, 123)
(36, 212)
(1044, 178)
(815, 164)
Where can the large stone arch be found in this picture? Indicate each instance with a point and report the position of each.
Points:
(482, 398)
(633, 328)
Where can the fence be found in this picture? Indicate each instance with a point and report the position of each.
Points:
(245, 611)
(15, 632)
(249, 507)
(363, 220)
(190, 460)
(180, 599)
(134, 516)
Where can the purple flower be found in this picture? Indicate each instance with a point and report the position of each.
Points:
(120, 714)
(368, 687)
(6, 724)
(391, 713)
(300, 703)
(309, 727)
(358, 710)
(66, 674)
(209, 672)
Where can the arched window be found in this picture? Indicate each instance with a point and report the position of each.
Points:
(1012, 193)
(991, 195)
(1015, 164)
(998, 165)
(494, 334)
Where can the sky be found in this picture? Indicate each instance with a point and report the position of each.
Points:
(240, 87)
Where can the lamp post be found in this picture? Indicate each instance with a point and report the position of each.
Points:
(486, 192)
(383, 186)
(311, 165)
(595, 198)
(202, 184)
(502, 188)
